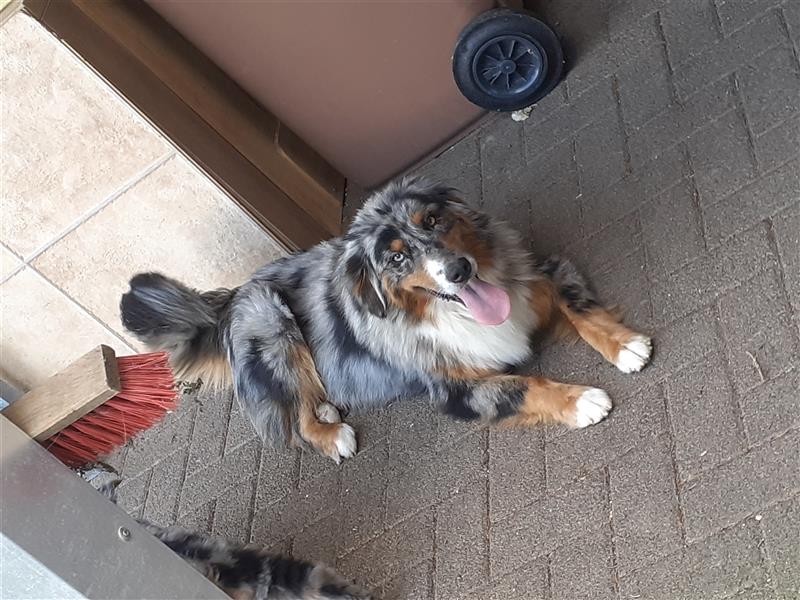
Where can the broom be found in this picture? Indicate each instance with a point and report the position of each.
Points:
(96, 404)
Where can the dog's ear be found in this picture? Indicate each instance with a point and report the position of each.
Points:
(365, 285)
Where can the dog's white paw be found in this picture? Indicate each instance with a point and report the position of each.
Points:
(345, 442)
(635, 354)
(591, 407)
(328, 413)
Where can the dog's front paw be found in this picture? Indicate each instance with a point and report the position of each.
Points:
(328, 413)
(345, 443)
(591, 407)
(634, 354)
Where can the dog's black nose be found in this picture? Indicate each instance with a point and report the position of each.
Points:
(458, 271)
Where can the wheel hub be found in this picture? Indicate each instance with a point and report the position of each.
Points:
(508, 65)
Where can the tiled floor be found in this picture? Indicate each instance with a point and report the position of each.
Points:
(91, 194)
(668, 167)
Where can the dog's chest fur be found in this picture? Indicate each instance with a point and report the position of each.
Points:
(456, 334)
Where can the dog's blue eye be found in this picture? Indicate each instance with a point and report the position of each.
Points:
(398, 257)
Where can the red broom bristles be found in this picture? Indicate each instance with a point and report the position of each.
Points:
(148, 394)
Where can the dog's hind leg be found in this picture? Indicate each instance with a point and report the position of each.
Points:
(276, 380)
(517, 401)
(603, 330)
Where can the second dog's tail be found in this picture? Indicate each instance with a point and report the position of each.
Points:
(168, 316)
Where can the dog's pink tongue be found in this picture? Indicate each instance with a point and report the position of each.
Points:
(488, 304)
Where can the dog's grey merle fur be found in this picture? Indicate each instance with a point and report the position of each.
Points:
(345, 304)
(247, 572)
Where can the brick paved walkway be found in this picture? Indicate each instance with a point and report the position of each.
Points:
(667, 166)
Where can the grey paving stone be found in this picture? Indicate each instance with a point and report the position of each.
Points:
(604, 250)
(319, 541)
(414, 583)
(433, 477)
(627, 286)
(290, 514)
(459, 166)
(502, 148)
(240, 430)
(678, 122)
(546, 168)
(791, 12)
(760, 199)
(644, 87)
(157, 443)
(239, 465)
(516, 469)
(704, 415)
(599, 152)
(689, 27)
(584, 568)
(781, 527)
(721, 157)
(462, 552)
(362, 503)
(201, 518)
(634, 421)
(715, 568)
(564, 515)
(761, 338)
(553, 210)
(673, 234)
(622, 198)
(233, 512)
(712, 274)
(773, 407)
(132, 491)
(778, 144)
(684, 342)
(405, 544)
(728, 54)
(644, 505)
(562, 123)
(528, 582)
(278, 473)
(735, 14)
(726, 495)
(210, 426)
(787, 237)
(770, 87)
(164, 489)
(413, 429)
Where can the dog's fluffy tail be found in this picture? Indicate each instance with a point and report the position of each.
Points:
(169, 316)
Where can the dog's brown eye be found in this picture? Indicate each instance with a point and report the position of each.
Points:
(431, 221)
(398, 257)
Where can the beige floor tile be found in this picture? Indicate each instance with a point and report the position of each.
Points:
(42, 331)
(67, 141)
(174, 221)
(9, 263)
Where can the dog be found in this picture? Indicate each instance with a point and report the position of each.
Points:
(247, 572)
(422, 296)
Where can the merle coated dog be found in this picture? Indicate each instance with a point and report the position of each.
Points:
(423, 296)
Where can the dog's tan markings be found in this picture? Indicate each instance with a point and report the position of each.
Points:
(547, 401)
(543, 302)
(323, 436)
(417, 218)
(397, 246)
(466, 373)
(409, 299)
(602, 330)
(463, 239)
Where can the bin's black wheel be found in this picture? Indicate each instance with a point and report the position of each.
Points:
(506, 60)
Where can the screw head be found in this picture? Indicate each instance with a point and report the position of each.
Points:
(124, 534)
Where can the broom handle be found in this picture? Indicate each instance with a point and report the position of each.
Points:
(67, 396)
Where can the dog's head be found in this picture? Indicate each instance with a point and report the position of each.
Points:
(415, 243)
